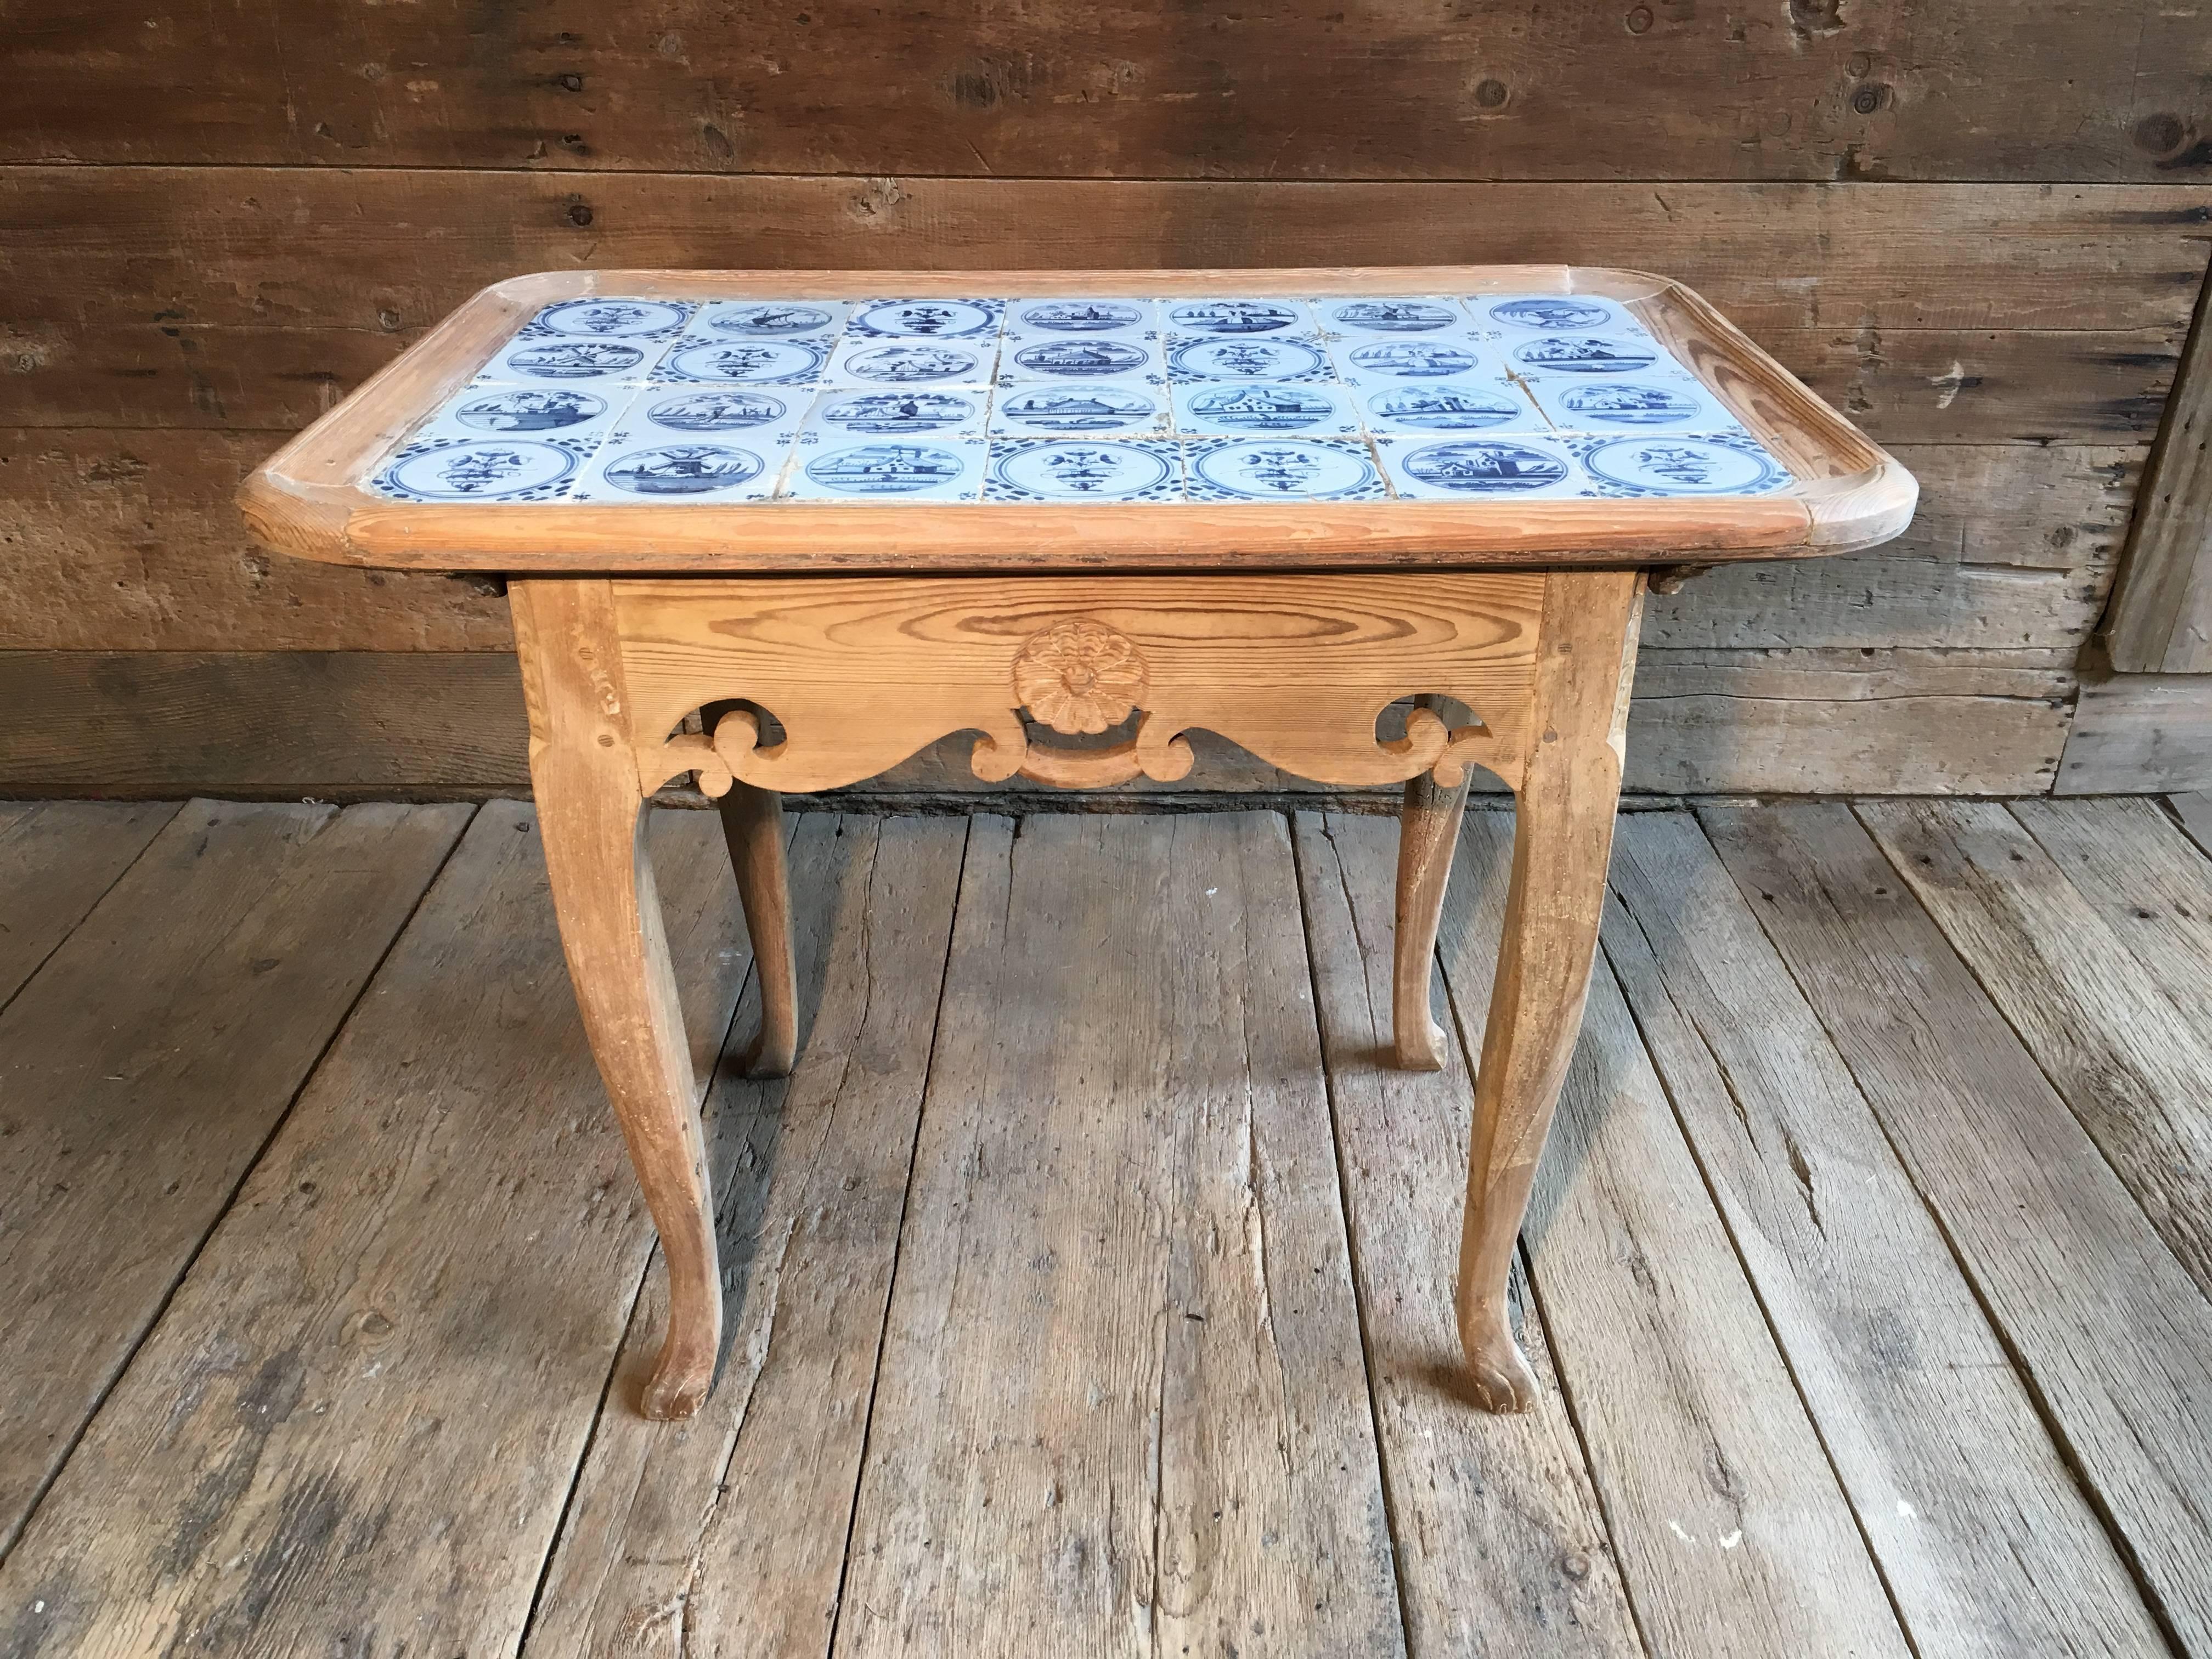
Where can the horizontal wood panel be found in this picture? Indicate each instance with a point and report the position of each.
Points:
(361, 725)
(1490, 89)
(2141, 734)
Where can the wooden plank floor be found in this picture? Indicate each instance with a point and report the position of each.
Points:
(1090, 1281)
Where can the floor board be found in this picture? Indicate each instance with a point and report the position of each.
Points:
(57, 859)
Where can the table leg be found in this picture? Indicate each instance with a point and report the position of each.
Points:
(752, 823)
(1428, 832)
(1562, 841)
(590, 811)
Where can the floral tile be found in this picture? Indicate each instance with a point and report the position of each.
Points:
(864, 360)
(1521, 467)
(543, 359)
(1394, 316)
(1702, 463)
(1247, 357)
(1449, 406)
(610, 317)
(1080, 357)
(537, 469)
(768, 320)
(1586, 355)
(1235, 319)
(932, 468)
(743, 363)
(1523, 314)
(1044, 409)
(1229, 409)
(1365, 361)
(926, 320)
(1081, 318)
(727, 469)
(1643, 404)
(1281, 470)
(1058, 470)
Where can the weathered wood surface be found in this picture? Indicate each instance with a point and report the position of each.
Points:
(145, 1064)
(1732, 1532)
(409, 1310)
(1121, 1395)
(2097, 1313)
(1985, 1544)
(2161, 620)
(2134, 1070)
(1501, 1546)
(2195, 811)
(2139, 734)
(727, 1535)
(57, 859)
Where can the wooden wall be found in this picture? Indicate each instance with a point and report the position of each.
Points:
(1979, 230)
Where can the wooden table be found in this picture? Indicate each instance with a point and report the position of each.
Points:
(841, 515)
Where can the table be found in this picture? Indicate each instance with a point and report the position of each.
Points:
(841, 515)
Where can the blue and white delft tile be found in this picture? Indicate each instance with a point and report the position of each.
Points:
(1247, 357)
(893, 365)
(483, 470)
(1263, 407)
(1080, 357)
(745, 415)
(1643, 403)
(1389, 316)
(848, 415)
(890, 470)
(1702, 463)
(1281, 470)
(1523, 314)
(1366, 361)
(527, 411)
(925, 319)
(1069, 470)
(1070, 409)
(551, 360)
(1521, 467)
(768, 320)
(1081, 318)
(722, 470)
(743, 363)
(1445, 407)
(610, 317)
(1588, 354)
(1236, 318)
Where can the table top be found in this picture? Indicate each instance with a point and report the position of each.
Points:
(779, 420)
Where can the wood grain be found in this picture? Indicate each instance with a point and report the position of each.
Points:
(2093, 1307)
(448, 1205)
(2195, 812)
(148, 1062)
(1123, 1411)
(2139, 734)
(2161, 620)
(1985, 1542)
(57, 859)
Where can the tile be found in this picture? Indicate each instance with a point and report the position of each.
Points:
(926, 320)
(1081, 357)
(1224, 409)
(868, 360)
(1070, 316)
(744, 362)
(1236, 318)
(1245, 357)
(727, 470)
(849, 414)
(1395, 362)
(936, 469)
(1039, 409)
(1523, 314)
(1643, 404)
(1586, 355)
(1448, 406)
(483, 470)
(1704, 464)
(712, 414)
(540, 359)
(1391, 316)
(1518, 467)
(1067, 470)
(1281, 470)
(527, 411)
(610, 317)
(768, 320)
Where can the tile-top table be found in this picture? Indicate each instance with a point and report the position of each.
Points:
(840, 515)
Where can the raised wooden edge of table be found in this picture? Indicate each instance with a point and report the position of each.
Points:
(311, 498)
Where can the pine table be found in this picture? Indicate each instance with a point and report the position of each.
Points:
(841, 515)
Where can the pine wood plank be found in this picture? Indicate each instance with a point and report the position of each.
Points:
(2114, 1336)
(57, 859)
(2195, 811)
(2132, 1069)
(726, 1534)
(1732, 1532)
(1121, 1405)
(145, 1065)
(1986, 1542)
(1501, 1545)
(2139, 734)
(353, 1428)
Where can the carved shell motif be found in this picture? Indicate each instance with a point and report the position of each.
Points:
(1078, 676)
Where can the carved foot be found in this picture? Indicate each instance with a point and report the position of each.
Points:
(772, 1052)
(1419, 1049)
(1497, 1369)
(680, 1381)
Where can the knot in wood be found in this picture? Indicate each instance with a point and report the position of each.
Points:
(1080, 676)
